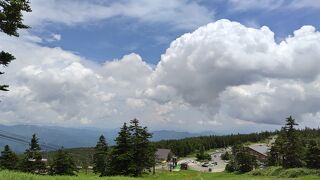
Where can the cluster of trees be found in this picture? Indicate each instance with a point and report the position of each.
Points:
(289, 150)
(241, 160)
(226, 156)
(184, 147)
(202, 155)
(131, 156)
(294, 148)
(32, 161)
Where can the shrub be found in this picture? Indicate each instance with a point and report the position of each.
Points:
(231, 166)
(225, 156)
(284, 173)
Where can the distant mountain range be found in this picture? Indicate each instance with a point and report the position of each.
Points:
(54, 136)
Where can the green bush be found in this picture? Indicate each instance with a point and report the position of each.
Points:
(226, 156)
(231, 166)
(296, 172)
(284, 173)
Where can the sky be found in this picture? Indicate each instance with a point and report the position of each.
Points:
(203, 65)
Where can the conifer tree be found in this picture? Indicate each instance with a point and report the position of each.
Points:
(275, 155)
(32, 161)
(142, 151)
(292, 152)
(10, 22)
(245, 161)
(8, 159)
(202, 155)
(121, 154)
(100, 156)
(63, 164)
(241, 160)
(313, 155)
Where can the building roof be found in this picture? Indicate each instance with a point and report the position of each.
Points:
(163, 153)
(260, 148)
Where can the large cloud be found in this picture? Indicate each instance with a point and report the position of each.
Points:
(54, 86)
(212, 67)
(221, 73)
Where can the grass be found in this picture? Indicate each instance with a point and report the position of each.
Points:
(289, 173)
(182, 175)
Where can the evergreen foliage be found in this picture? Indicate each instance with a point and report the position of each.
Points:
(241, 160)
(288, 150)
(63, 164)
(184, 147)
(10, 22)
(313, 155)
(275, 153)
(292, 146)
(121, 155)
(133, 152)
(226, 156)
(246, 162)
(8, 159)
(100, 156)
(202, 155)
(32, 161)
(141, 148)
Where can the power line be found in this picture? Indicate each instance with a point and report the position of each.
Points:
(23, 140)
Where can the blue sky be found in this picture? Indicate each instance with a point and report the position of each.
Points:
(222, 65)
(119, 35)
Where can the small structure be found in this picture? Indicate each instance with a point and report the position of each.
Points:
(163, 155)
(42, 160)
(260, 151)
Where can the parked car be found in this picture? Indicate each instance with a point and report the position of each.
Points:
(205, 165)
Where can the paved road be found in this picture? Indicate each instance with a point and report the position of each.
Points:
(195, 165)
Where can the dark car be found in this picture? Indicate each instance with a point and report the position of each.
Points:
(205, 165)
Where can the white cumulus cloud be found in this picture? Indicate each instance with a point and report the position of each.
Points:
(222, 67)
(223, 75)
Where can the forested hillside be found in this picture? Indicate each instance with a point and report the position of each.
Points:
(186, 146)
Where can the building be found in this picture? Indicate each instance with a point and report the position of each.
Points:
(260, 151)
(33, 160)
(163, 155)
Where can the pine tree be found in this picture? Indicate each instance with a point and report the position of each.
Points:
(275, 155)
(241, 160)
(245, 161)
(292, 147)
(10, 22)
(63, 164)
(100, 156)
(121, 154)
(142, 151)
(8, 159)
(313, 155)
(202, 155)
(32, 161)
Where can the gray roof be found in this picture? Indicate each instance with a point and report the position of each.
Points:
(260, 148)
(163, 153)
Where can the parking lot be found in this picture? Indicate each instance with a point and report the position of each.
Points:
(216, 164)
